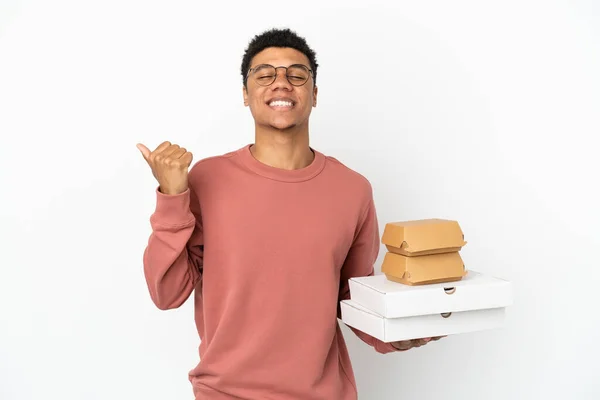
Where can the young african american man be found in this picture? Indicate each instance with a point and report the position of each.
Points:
(266, 237)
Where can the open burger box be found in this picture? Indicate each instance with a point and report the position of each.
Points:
(427, 292)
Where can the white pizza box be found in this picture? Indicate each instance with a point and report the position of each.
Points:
(475, 291)
(421, 326)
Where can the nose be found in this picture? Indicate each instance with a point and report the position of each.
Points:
(281, 81)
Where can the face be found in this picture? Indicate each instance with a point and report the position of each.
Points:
(280, 105)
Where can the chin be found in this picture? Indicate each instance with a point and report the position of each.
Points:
(283, 125)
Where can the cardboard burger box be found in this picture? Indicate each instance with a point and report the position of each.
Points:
(423, 237)
(391, 311)
(423, 251)
(423, 270)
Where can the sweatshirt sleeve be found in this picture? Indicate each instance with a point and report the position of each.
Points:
(174, 254)
(359, 262)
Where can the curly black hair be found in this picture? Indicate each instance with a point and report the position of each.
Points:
(278, 38)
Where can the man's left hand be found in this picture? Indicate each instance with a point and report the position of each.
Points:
(404, 345)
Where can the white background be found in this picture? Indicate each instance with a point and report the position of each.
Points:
(484, 112)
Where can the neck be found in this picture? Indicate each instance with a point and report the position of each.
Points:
(285, 149)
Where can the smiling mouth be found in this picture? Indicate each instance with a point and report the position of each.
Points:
(281, 104)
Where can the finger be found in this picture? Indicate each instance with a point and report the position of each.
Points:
(157, 154)
(187, 158)
(167, 153)
(403, 345)
(174, 158)
(178, 153)
(164, 155)
(144, 150)
(161, 147)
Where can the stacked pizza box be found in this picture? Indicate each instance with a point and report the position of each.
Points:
(425, 290)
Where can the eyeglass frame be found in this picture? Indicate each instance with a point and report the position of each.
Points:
(310, 71)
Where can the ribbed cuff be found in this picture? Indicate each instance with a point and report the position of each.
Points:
(172, 210)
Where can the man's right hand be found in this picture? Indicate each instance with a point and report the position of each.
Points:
(169, 164)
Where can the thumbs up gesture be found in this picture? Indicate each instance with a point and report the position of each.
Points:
(169, 164)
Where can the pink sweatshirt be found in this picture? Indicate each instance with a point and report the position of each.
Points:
(267, 253)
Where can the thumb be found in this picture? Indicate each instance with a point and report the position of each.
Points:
(144, 150)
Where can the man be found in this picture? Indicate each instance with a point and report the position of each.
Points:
(266, 237)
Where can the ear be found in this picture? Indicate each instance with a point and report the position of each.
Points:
(245, 94)
(315, 91)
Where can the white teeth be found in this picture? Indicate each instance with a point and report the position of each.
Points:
(280, 103)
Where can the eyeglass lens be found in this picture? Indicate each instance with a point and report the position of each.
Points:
(265, 75)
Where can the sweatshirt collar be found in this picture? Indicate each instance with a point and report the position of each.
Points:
(284, 175)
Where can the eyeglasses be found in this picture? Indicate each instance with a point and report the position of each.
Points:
(265, 74)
